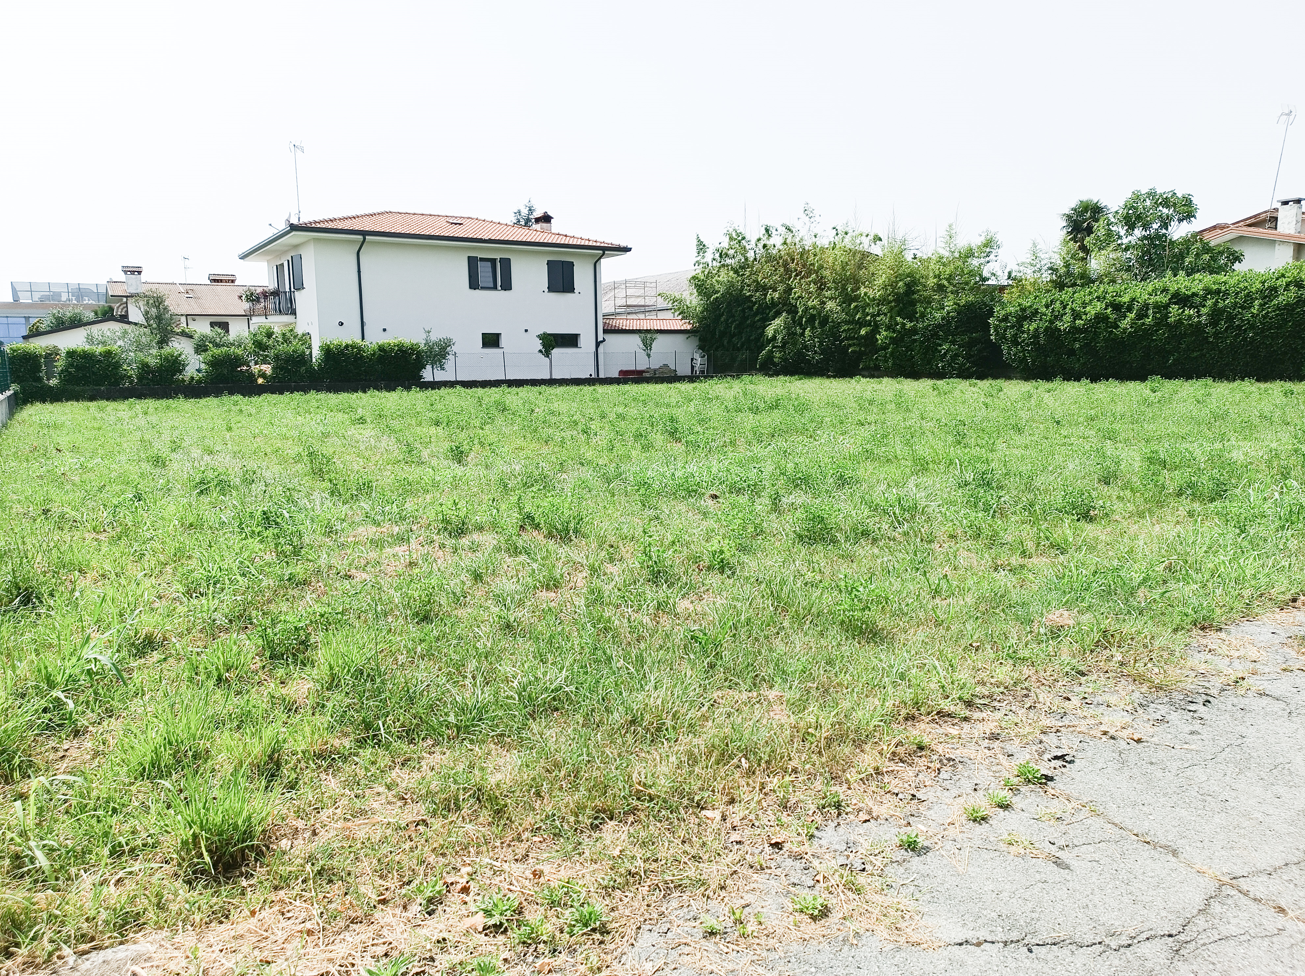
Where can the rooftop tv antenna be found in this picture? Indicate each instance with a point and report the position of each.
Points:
(1290, 116)
(185, 269)
(295, 149)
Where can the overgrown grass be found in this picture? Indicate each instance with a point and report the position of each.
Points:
(529, 613)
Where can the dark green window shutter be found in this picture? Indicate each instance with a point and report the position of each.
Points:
(297, 272)
(568, 275)
(555, 275)
(505, 274)
(473, 272)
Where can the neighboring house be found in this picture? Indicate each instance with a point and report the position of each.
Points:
(674, 347)
(33, 300)
(634, 305)
(213, 305)
(1269, 239)
(65, 336)
(491, 287)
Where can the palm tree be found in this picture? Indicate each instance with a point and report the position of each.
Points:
(1081, 220)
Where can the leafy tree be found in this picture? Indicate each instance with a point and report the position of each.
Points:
(133, 343)
(159, 319)
(546, 346)
(435, 352)
(1140, 237)
(57, 318)
(524, 217)
(102, 312)
(1080, 220)
(647, 338)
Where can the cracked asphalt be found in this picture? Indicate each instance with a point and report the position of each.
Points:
(1175, 845)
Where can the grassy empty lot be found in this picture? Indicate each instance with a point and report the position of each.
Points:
(324, 650)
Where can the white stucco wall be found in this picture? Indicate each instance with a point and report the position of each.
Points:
(622, 350)
(410, 286)
(67, 338)
(1258, 254)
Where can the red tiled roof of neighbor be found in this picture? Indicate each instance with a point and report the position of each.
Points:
(1238, 230)
(457, 228)
(621, 324)
(200, 298)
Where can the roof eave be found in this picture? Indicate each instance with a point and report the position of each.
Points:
(613, 250)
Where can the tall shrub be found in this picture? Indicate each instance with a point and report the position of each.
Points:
(166, 367)
(27, 364)
(345, 361)
(398, 361)
(91, 366)
(1245, 324)
(225, 365)
(291, 364)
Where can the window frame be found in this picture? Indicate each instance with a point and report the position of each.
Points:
(492, 263)
(224, 327)
(498, 340)
(558, 336)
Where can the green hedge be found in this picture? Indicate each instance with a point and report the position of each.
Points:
(344, 361)
(398, 361)
(291, 364)
(1244, 325)
(167, 367)
(225, 365)
(353, 361)
(26, 363)
(88, 366)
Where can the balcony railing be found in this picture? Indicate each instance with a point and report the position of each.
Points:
(268, 301)
(283, 303)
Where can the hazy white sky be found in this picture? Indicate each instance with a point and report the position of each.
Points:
(138, 133)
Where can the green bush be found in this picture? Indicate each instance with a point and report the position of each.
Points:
(26, 363)
(163, 368)
(1243, 325)
(398, 361)
(346, 361)
(292, 364)
(90, 366)
(225, 365)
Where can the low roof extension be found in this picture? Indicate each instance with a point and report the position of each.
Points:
(1263, 224)
(432, 227)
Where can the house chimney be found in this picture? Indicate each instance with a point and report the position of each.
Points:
(221, 279)
(1289, 219)
(544, 222)
(132, 273)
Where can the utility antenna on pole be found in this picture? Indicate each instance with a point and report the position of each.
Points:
(1290, 116)
(295, 149)
(185, 269)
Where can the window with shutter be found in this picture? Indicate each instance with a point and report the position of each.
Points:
(488, 278)
(554, 275)
(473, 271)
(280, 276)
(297, 272)
(568, 276)
(505, 274)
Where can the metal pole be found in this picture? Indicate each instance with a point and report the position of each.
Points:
(455, 367)
(504, 352)
(1291, 117)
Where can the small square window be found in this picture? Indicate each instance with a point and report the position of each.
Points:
(566, 340)
(220, 327)
(491, 340)
(488, 273)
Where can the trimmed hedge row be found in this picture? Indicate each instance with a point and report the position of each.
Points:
(1244, 325)
(354, 361)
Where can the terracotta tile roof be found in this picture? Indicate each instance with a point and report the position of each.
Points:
(452, 228)
(620, 323)
(194, 299)
(1226, 232)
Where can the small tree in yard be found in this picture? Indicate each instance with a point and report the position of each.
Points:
(646, 339)
(546, 346)
(435, 352)
(159, 319)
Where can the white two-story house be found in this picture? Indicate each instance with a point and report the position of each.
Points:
(491, 287)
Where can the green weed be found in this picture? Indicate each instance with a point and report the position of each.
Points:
(814, 907)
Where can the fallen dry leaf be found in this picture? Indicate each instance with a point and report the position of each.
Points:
(476, 923)
(776, 841)
(711, 814)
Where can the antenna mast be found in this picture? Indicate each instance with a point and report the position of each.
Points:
(185, 269)
(1290, 116)
(295, 149)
